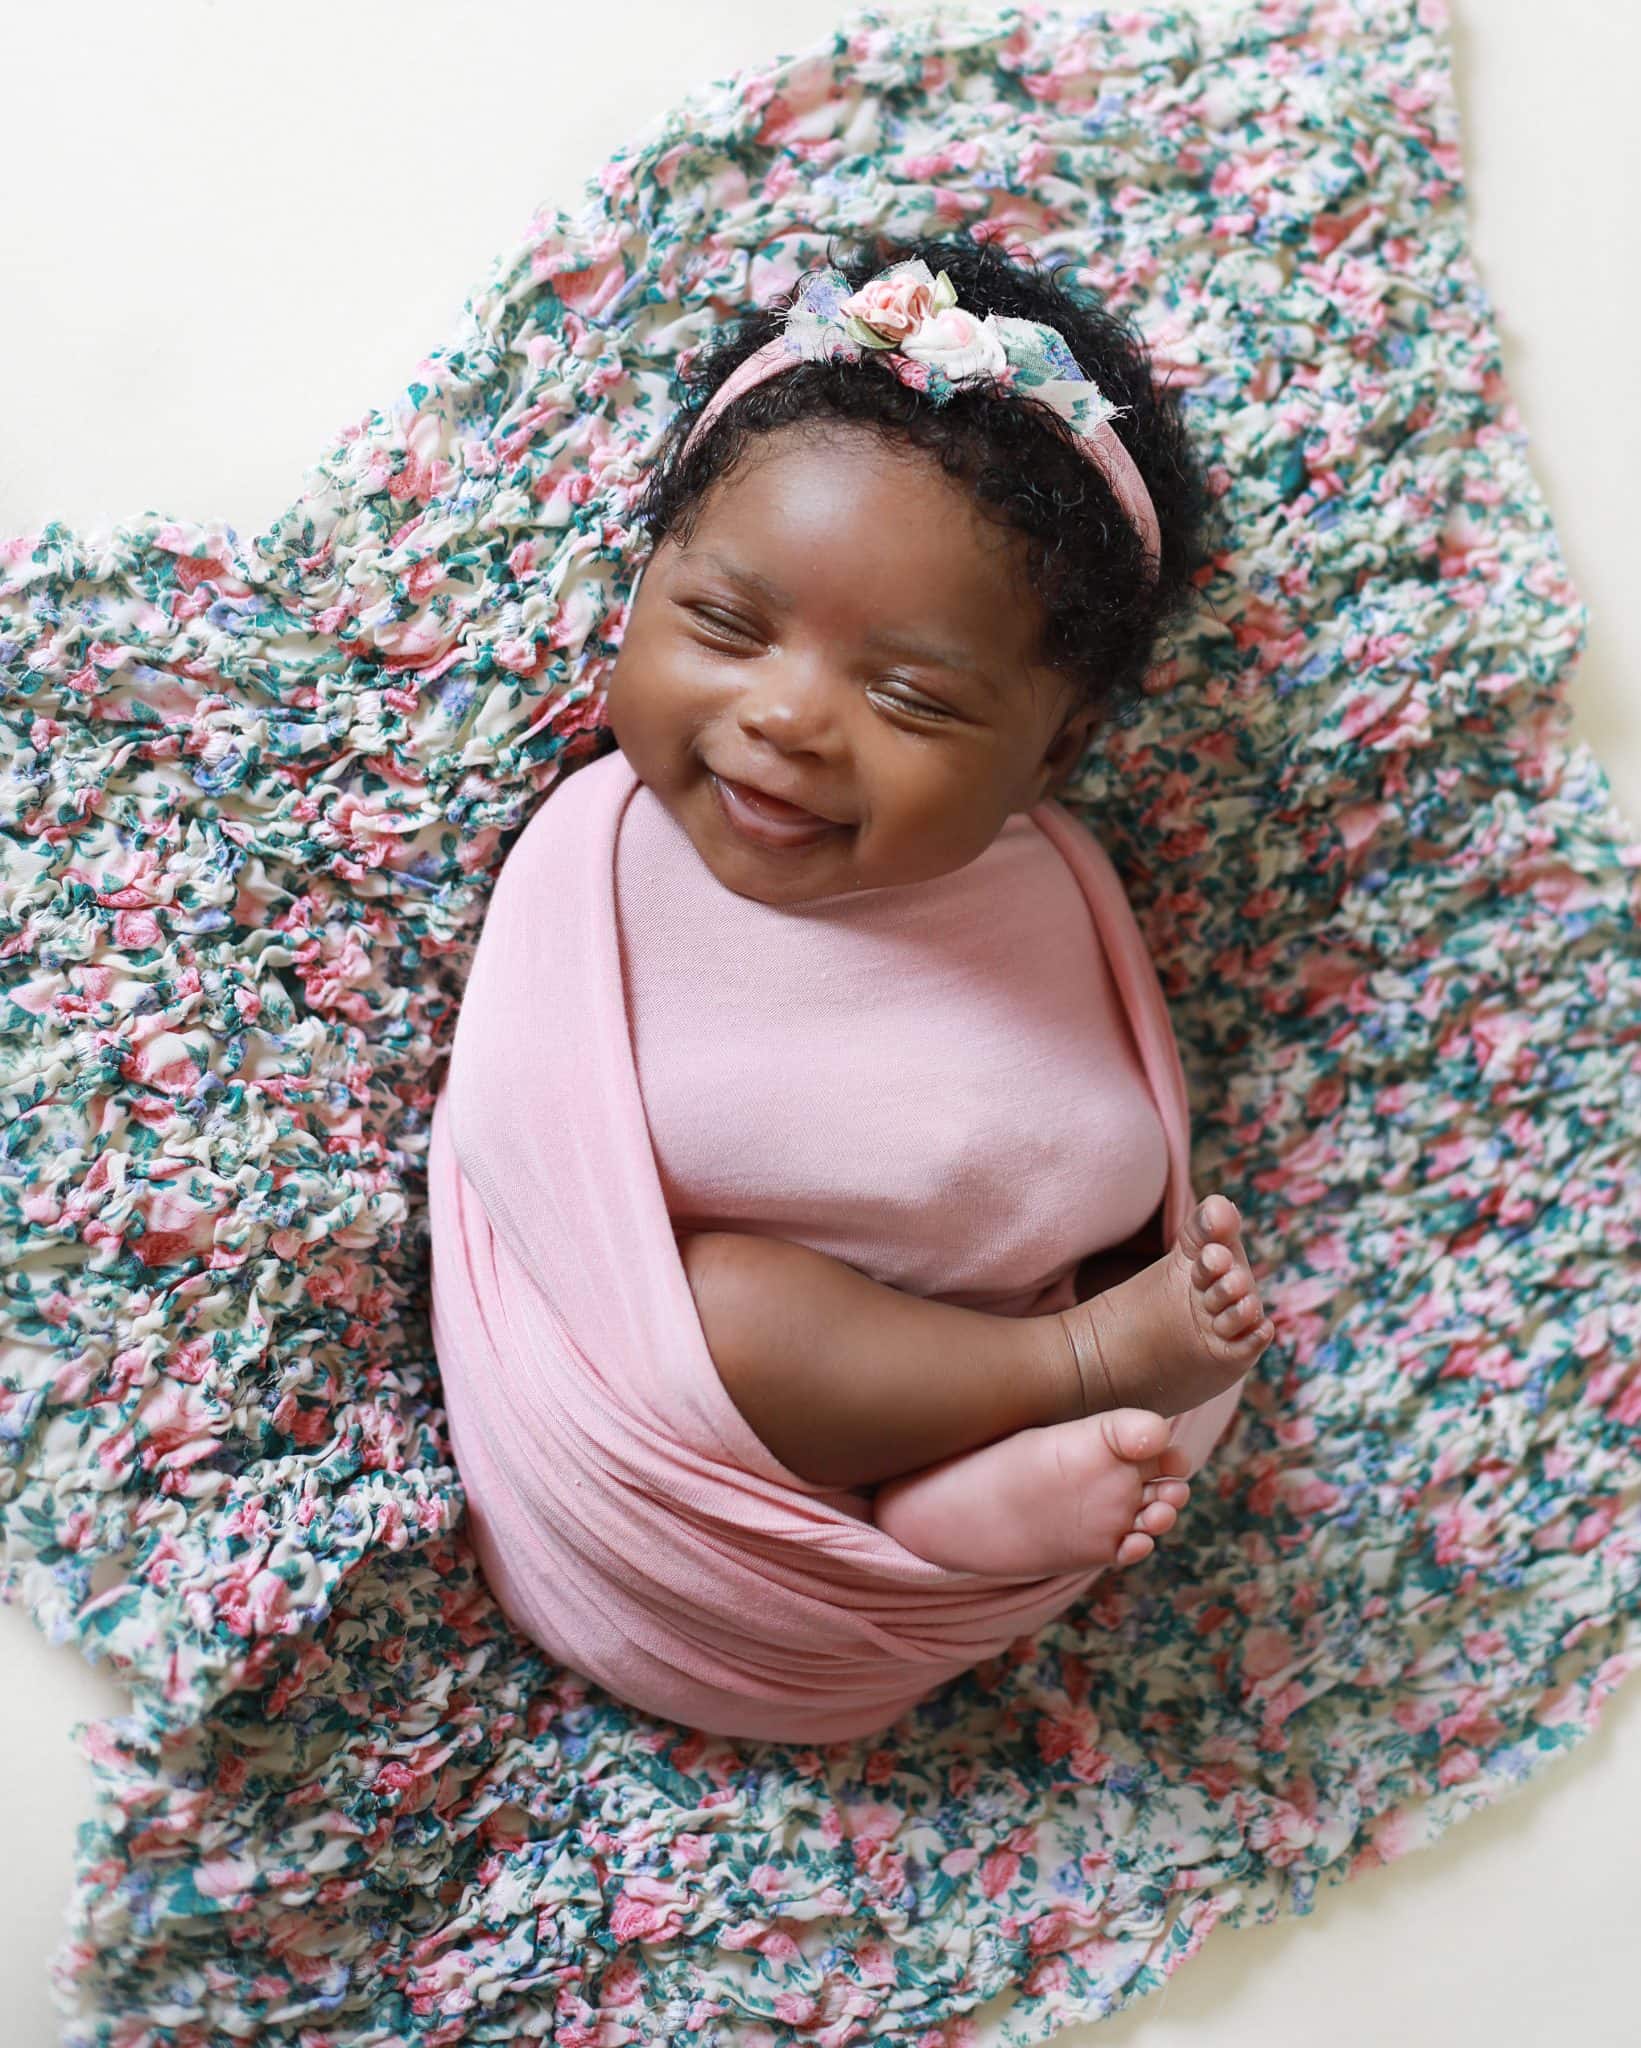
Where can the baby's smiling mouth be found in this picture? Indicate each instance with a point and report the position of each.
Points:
(775, 806)
(770, 821)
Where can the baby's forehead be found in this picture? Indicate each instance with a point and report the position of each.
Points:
(802, 526)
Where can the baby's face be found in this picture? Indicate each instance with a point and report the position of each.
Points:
(845, 631)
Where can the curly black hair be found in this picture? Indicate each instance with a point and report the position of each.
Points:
(1105, 614)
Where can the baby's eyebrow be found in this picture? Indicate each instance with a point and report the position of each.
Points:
(942, 657)
(918, 650)
(749, 578)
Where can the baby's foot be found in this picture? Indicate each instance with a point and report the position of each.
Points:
(1070, 1497)
(1130, 1486)
(1179, 1332)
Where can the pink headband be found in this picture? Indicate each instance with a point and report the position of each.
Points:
(912, 321)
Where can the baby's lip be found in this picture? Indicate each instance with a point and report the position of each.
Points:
(778, 804)
(764, 825)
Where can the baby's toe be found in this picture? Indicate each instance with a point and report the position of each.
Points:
(1136, 1435)
(1232, 1287)
(1213, 1262)
(1174, 1491)
(1216, 1219)
(1156, 1519)
(1219, 1219)
(1133, 1547)
(1239, 1318)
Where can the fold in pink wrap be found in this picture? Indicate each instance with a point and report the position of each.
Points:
(626, 1517)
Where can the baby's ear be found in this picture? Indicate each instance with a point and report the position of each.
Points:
(1067, 749)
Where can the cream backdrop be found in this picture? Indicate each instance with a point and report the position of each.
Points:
(229, 229)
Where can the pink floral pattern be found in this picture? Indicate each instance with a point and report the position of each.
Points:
(255, 794)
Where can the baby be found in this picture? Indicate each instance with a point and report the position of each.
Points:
(904, 567)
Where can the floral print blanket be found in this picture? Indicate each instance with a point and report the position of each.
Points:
(253, 794)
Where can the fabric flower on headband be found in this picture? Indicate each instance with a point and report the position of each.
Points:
(909, 310)
(910, 319)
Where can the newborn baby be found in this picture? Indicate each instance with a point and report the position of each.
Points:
(834, 683)
(818, 1288)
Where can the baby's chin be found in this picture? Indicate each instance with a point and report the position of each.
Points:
(786, 876)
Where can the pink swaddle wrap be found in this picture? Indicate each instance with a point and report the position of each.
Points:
(932, 1083)
(935, 1083)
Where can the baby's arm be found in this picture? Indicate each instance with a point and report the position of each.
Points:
(850, 1383)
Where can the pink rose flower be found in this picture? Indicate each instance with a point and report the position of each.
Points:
(891, 306)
